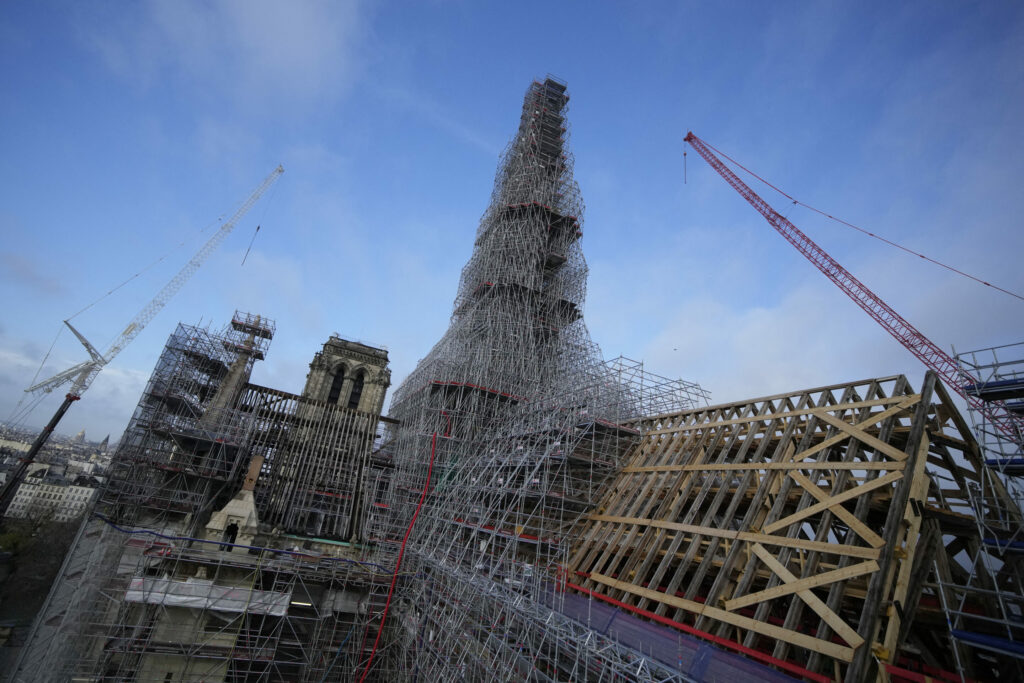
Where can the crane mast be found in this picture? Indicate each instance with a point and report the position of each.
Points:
(80, 376)
(944, 365)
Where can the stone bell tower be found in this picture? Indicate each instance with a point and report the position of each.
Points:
(349, 374)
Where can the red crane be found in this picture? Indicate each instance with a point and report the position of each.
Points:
(931, 355)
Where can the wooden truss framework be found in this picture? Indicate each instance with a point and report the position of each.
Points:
(806, 526)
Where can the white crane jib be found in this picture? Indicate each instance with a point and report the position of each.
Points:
(82, 374)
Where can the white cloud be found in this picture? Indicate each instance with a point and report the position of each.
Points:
(106, 407)
(252, 50)
(25, 272)
(798, 342)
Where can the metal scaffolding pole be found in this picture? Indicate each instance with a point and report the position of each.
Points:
(522, 424)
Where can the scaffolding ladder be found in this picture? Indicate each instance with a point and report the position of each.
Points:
(985, 612)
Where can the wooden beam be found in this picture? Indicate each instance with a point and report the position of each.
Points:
(871, 420)
(848, 494)
(778, 416)
(743, 466)
(863, 667)
(761, 399)
(750, 537)
(911, 546)
(822, 579)
(825, 647)
(864, 437)
(841, 628)
(861, 529)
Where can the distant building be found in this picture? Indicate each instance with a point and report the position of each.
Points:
(76, 467)
(19, 446)
(58, 501)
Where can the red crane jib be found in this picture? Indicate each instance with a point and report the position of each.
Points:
(913, 340)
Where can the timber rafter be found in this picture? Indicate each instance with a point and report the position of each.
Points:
(803, 525)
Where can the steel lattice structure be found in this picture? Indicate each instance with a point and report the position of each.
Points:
(528, 511)
(509, 428)
(156, 587)
(956, 375)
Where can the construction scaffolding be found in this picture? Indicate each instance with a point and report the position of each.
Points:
(226, 545)
(530, 511)
(994, 568)
(314, 457)
(508, 431)
(808, 532)
(996, 375)
(182, 448)
(819, 532)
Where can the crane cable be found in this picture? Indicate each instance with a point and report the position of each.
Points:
(266, 206)
(247, 249)
(136, 275)
(202, 231)
(859, 229)
(18, 414)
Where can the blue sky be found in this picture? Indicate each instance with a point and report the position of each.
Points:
(128, 128)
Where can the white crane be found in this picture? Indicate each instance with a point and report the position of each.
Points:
(80, 376)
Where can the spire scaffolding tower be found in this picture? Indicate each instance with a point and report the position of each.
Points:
(509, 428)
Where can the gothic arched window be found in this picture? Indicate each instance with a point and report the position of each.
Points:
(357, 391)
(335, 392)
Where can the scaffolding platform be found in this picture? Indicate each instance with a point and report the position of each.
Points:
(991, 643)
(1004, 544)
(997, 390)
(253, 325)
(1012, 467)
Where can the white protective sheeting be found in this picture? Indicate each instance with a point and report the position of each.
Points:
(206, 595)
